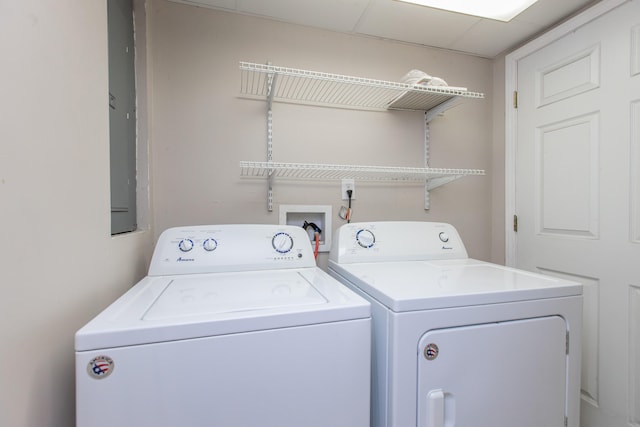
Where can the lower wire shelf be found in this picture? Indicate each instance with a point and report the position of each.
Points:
(433, 176)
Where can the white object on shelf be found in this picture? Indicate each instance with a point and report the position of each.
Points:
(274, 83)
(416, 77)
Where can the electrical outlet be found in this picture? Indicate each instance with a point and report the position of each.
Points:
(348, 184)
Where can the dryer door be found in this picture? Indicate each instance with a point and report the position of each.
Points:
(499, 374)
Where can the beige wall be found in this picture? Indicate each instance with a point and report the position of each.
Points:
(202, 129)
(59, 266)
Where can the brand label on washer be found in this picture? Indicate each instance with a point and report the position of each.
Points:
(431, 351)
(100, 367)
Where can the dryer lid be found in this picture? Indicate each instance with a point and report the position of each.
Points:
(423, 285)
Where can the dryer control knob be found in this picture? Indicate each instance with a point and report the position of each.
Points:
(185, 245)
(210, 245)
(444, 237)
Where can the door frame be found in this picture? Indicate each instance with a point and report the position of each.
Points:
(511, 118)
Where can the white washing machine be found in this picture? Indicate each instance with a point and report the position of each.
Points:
(457, 341)
(234, 326)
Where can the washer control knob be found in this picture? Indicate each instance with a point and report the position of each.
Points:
(185, 245)
(282, 242)
(210, 245)
(365, 238)
(444, 237)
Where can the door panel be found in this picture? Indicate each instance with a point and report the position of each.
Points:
(569, 77)
(635, 50)
(575, 138)
(634, 355)
(577, 195)
(635, 171)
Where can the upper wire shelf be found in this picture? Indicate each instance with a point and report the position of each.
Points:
(313, 87)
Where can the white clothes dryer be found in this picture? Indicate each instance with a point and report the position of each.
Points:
(234, 326)
(457, 341)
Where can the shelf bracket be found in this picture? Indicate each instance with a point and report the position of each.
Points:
(271, 80)
(437, 182)
(439, 109)
(429, 115)
(270, 159)
(427, 119)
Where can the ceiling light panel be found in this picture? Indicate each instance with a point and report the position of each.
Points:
(501, 10)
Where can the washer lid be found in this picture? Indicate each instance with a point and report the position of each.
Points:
(198, 295)
(422, 285)
(170, 308)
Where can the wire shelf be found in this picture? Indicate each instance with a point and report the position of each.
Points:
(268, 82)
(366, 173)
(312, 87)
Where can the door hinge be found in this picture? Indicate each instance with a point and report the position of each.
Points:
(567, 342)
(515, 99)
(515, 223)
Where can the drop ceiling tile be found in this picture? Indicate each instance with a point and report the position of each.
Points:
(489, 38)
(395, 20)
(213, 4)
(337, 15)
(545, 13)
(414, 24)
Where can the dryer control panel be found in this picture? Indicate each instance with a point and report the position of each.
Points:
(396, 241)
(231, 247)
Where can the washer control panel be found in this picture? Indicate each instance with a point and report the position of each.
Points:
(232, 247)
(396, 241)
(282, 242)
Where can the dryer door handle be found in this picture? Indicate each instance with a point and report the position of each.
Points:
(435, 408)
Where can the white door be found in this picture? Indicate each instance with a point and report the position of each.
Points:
(577, 195)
